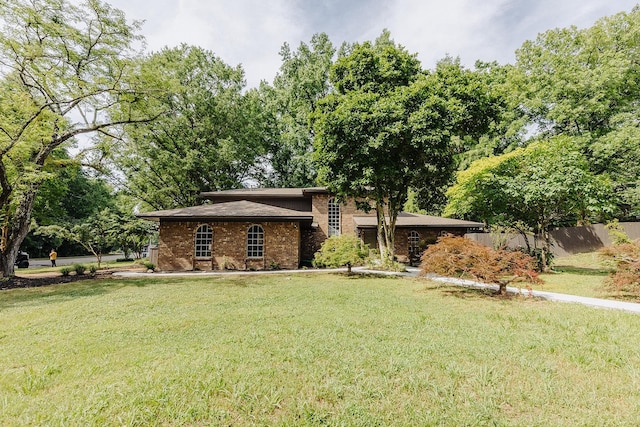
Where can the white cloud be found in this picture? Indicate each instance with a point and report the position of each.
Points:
(251, 32)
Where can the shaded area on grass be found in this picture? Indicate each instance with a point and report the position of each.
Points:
(586, 271)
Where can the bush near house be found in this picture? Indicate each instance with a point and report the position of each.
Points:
(456, 256)
(338, 251)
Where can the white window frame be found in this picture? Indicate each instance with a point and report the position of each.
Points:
(203, 241)
(255, 242)
(333, 217)
(414, 242)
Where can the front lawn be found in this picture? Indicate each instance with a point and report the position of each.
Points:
(581, 274)
(309, 350)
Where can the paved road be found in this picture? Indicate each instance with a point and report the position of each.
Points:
(44, 262)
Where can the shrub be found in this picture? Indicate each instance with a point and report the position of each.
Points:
(625, 258)
(93, 269)
(616, 233)
(79, 269)
(66, 271)
(459, 257)
(338, 251)
(149, 265)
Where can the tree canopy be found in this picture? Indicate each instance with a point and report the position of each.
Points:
(63, 66)
(302, 80)
(547, 183)
(584, 82)
(210, 135)
(380, 130)
(389, 126)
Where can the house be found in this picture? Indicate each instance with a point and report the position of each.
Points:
(270, 228)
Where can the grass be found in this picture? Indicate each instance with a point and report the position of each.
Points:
(579, 274)
(309, 350)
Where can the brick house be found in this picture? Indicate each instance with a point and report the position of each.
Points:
(269, 228)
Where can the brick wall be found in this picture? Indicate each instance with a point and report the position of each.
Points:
(176, 246)
(427, 236)
(320, 212)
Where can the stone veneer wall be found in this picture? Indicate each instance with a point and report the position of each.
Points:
(177, 241)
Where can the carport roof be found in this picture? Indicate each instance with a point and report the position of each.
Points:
(229, 211)
(406, 219)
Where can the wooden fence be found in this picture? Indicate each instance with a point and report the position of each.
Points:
(565, 240)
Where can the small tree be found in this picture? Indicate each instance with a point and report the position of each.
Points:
(95, 234)
(460, 257)
(624, 254)
(338, 251)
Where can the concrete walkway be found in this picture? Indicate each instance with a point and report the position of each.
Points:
(551, 296)
(412, 272)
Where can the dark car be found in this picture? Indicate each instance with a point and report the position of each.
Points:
(22, 261)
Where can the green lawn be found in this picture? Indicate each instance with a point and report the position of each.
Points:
(580, 274)
(310, 350)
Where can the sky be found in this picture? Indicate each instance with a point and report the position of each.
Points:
(251, 32)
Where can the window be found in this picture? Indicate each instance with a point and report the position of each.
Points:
(255, 242)
(414, 242)
(204, 238)
(334, 218)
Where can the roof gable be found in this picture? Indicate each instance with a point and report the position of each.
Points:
(239, 210)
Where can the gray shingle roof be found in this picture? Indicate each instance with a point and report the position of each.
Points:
(240, 210)
(262, 192)
(406, 219)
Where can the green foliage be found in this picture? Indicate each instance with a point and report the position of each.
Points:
(583, 82)
(64, 65)
(616, 233)
(95, 234)
(65, 271)
(211, 135)
(456, 256)
(382, 109)
(79, 269)
(70, 196)
(547, 183)
(338, 251)
(302, 80)
(127, 231)
(93, 269)
(149, 265)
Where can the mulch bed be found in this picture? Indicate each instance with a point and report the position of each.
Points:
(34, 281)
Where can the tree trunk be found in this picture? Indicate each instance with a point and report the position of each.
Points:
(386, 232)
(7, 263)
(382, 237)
(546, 248)
(15, 233)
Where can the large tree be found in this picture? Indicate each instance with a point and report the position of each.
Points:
(303, 79)
(62, 66)
(584, 82)
(381, 131)
(212, 137)
(531, 189)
